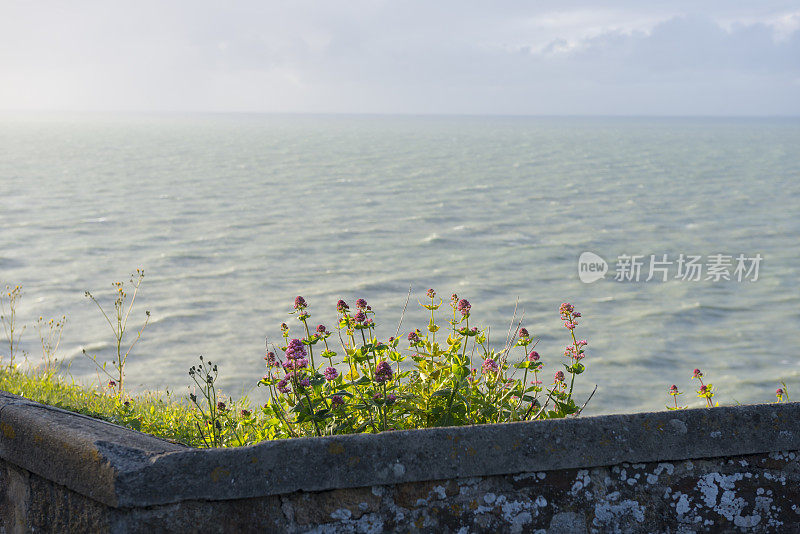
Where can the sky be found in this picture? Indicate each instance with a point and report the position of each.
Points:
(429, 56)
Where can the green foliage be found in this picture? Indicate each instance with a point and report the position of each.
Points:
(221, 422)
(160, 415)
(369, 385)
(431, 383)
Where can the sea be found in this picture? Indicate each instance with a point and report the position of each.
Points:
(677, 239)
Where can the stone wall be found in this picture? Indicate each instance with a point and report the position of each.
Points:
(732, 469)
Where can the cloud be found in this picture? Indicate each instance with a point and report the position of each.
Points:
(380, 56)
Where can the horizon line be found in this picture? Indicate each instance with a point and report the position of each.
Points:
(398, 114)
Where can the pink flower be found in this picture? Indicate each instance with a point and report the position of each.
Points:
(283, 384)
(490, 366)
(300, 363)
(570, 352)
(331, 373)
(383, 372)
(272, 361)
(464, 307)
(295, 350)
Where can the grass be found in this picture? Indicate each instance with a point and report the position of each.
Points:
(152, 413)
(158, 414)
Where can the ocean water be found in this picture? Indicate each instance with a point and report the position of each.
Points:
(231, 216)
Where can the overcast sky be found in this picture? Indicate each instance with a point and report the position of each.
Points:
(370, 56)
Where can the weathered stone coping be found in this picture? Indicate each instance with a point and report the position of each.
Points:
(124, 468)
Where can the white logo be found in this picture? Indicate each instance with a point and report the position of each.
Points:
(591, 267)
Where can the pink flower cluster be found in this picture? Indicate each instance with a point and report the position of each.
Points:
(383, 372)
(490, 366)
(576, 354)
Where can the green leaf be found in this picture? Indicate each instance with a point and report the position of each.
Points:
(361, 381)
(458, 370)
